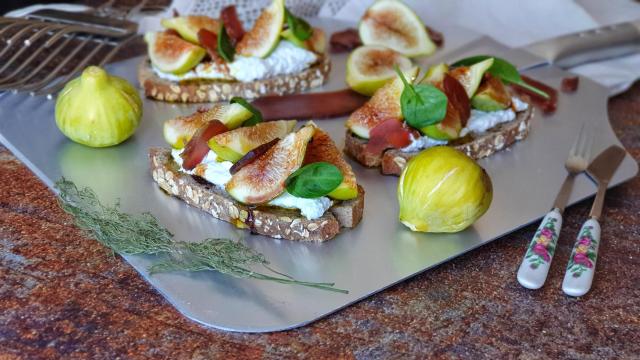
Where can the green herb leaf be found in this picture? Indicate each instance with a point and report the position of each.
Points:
(225, 48)
(299, 27)
(502, 69)
(129, 234)
(257, 115)
(422, 105)
(314, 180)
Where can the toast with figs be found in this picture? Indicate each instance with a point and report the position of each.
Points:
(265, 177)
(203, 59)
(468, 107)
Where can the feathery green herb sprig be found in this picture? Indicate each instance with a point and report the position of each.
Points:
(142, 234)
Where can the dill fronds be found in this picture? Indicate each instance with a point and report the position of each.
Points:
(129, 234)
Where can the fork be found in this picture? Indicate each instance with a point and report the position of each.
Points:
(537, 259)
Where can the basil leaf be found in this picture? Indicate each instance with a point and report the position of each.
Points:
(502, 69)
(314, 180)
(257, 115)
(422, 105)
(299, 27)
(225, 49)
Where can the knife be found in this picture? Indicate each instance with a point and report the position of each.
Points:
(586, 46)
(563, 52)
(582, 263)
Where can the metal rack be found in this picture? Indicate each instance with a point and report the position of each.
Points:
(42, 51)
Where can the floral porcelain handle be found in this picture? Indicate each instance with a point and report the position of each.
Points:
(582, 263)
(537, 260)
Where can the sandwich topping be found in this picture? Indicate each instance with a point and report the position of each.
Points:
(217, 172)
(202, 48)
(275, 166)
(286, 59)
(468, 98)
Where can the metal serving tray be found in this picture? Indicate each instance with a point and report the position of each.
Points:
(380, 252)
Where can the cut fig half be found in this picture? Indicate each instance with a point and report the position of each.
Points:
(171, 54)
(188, 26)
(178, 131)
(264, 179)
(265, 34)
(369, 67)
(234, 144)
(383, 105)
(323, 149)
(393, 24)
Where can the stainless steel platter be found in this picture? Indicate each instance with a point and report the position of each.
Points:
(380, 252)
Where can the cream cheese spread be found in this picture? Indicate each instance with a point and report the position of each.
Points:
(217, 173)
(481, 121)
(210, 169)
(422, 142)
(286, 58)
(309, 208)
(208, 71)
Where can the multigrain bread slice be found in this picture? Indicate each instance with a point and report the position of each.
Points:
(195, 91)
(264, 220)
(393, 161)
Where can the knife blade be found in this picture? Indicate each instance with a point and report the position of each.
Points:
(587, 46)
(601, 170)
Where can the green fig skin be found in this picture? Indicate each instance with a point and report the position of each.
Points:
(442, 190)
(97, 109)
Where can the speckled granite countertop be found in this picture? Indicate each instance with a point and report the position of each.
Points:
(62, 295)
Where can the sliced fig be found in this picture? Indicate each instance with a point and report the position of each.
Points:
(471, 76)
(252, 155)
(491, 95)
(171, 54)
(188, 26)
(323, 149)
(457, 115)
(197, 148)
(435, 74)
(393, 24)
(234, 144)
(264, 179)
(232, 23)
(265, 34)
(316, 43)
(369, 67)
(178, 131)
(384, 105)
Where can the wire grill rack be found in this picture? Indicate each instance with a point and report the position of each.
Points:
(42, 51)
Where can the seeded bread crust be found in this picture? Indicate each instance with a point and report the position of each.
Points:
(393, 161)
(270, 221)
(214, 91)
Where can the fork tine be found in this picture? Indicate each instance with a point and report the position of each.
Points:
(586, 143)
(577, 142)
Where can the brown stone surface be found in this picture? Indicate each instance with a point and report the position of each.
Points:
(62, 295)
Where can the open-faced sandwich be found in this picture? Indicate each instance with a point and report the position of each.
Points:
(262, 176)
(466, 105)
(201, 59)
